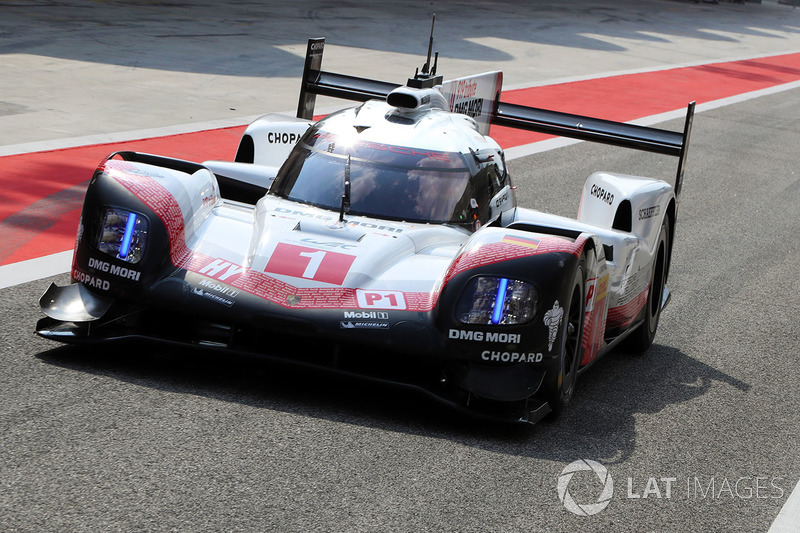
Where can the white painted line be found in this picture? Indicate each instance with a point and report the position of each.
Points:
(59, 263)
(788, 520)
(135, 135)
(644, 70)
(33, 269)
(538, 147)
(122, 136)
(125, 136)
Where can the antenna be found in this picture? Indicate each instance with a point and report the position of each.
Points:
(345, 208)
(426, 66)
(427, 78)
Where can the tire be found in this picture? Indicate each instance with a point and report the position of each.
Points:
(561, 386)
(642, 338)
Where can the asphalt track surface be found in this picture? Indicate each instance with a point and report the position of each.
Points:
(176, 440)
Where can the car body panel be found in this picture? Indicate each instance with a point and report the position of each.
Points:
(387, 254)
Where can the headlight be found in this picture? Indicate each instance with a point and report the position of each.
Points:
(123, 235)
(491, 300)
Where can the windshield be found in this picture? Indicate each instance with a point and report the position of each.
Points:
(386, 181)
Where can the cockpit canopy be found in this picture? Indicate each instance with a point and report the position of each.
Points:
(390, 181)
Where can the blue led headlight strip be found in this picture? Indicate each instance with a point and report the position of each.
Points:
(125, 246)
(500, 300)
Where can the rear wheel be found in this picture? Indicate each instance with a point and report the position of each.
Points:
(561, 386)
(641, 339)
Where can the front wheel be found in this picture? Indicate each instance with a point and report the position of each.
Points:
(561, 386)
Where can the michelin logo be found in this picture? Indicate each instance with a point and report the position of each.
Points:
(363, 325)
(212, 296)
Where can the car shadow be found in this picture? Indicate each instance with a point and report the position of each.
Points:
(600, 423)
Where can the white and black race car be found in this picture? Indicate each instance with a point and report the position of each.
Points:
(383, 240)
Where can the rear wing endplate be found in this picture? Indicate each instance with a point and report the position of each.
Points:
(316, 81)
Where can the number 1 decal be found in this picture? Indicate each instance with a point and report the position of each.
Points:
(313, 264)
(309, 263)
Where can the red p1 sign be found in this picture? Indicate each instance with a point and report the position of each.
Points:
(380, 299)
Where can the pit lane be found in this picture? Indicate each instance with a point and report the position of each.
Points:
(160, 439)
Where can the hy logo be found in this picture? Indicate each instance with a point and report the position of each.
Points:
(586, 509)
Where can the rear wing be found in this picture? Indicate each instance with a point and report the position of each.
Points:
(316, 81)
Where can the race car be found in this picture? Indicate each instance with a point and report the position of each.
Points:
(382, 240)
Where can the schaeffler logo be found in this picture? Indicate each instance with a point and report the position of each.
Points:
(585, 509)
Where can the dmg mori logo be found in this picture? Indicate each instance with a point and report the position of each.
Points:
(605, 487)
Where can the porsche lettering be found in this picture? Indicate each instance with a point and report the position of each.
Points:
(401, 150)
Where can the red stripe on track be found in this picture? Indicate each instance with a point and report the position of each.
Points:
(631, 96)
(26, 179)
